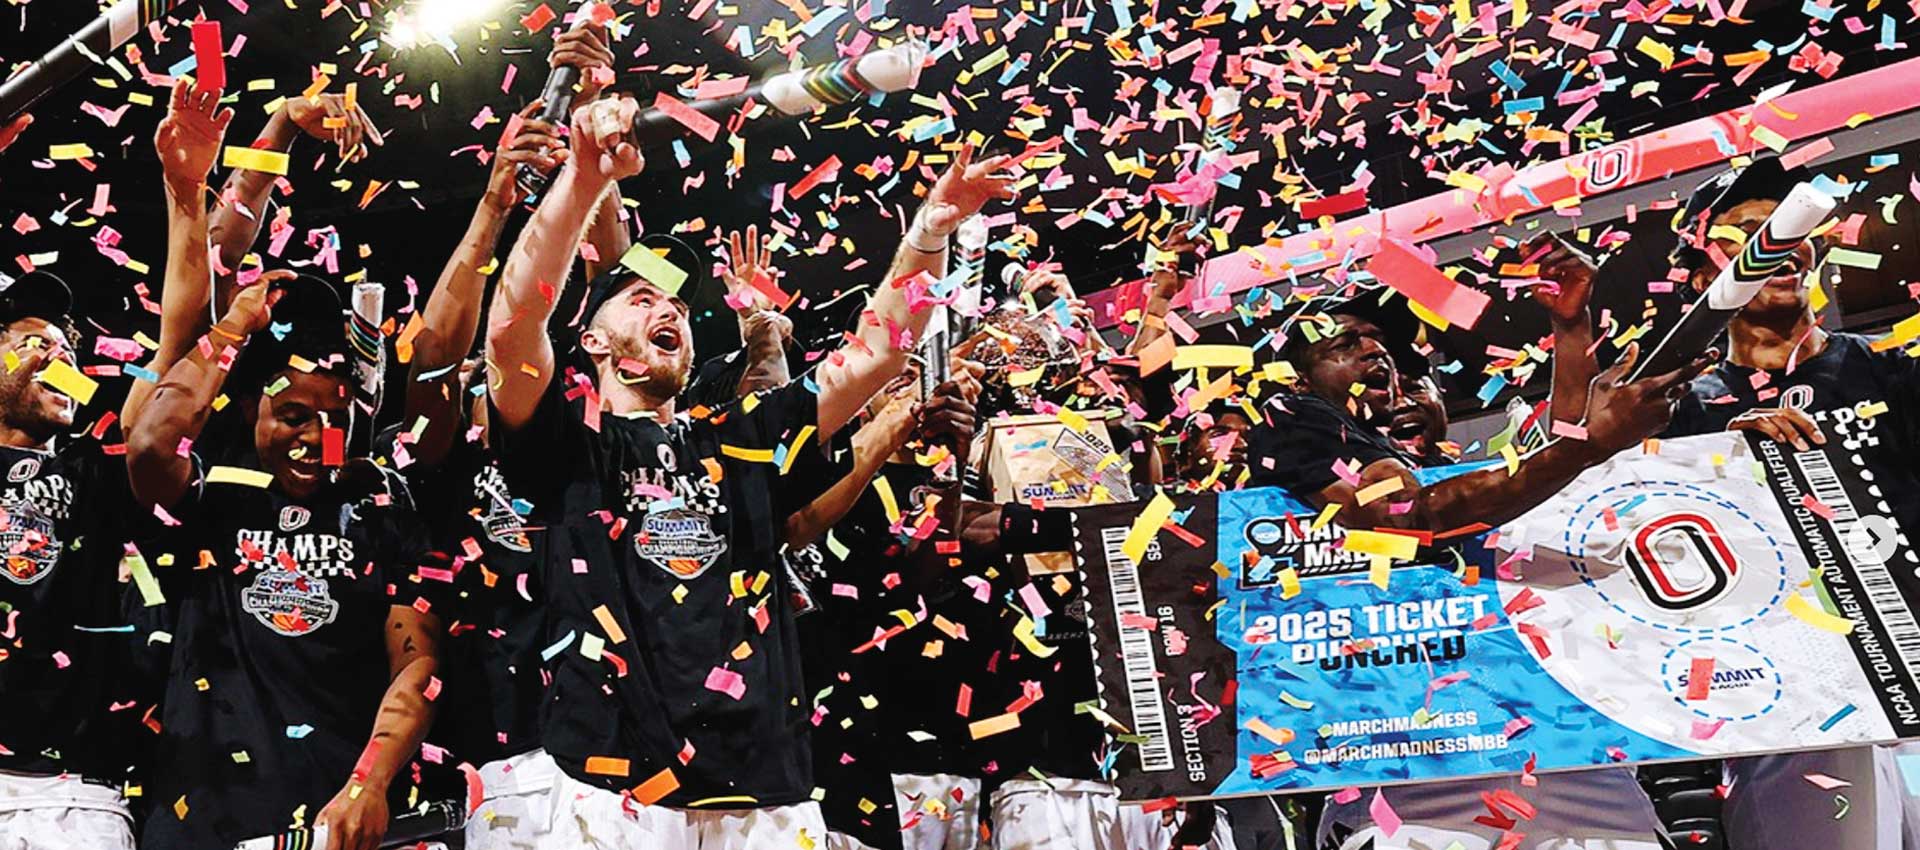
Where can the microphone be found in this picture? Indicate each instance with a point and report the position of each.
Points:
(79, 53)
(557, 105)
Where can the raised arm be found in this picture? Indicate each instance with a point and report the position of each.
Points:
(863, 368)
(1570, 284)
(520, 360)
(187, 141)
(242, 210)
(764, 331)
(159, 472)
(356, 818)
(876, 441)
(1161, 288)
(452, 314)
(1619, 416)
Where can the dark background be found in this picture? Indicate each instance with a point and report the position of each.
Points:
(1339, 116)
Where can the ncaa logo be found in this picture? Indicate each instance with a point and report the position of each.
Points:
(25, 469)
(292, 517)
(1607, 168)
(1681, 561)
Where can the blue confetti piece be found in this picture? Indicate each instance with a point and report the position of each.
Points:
(1506, 75)
(557, 648)
(1838, 716)
(522, 507)
(1816, 11)
(1123, 12)
(183, 66)
(1491, 389)
(280, 330)
(141, 372)
(1883, 160)
(1525, 104)
(300, 731)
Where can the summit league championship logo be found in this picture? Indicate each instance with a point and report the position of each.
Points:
(290, 603)
(675, 530)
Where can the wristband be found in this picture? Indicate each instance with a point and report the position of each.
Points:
(234, 337)
(919, 234)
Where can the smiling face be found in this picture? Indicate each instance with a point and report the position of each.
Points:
(642, 325)
(287, 427)
(1356, 356)
(1787, 293)
(1420, 417)
(28, 407)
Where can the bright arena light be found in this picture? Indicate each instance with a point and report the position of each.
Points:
(425, 22)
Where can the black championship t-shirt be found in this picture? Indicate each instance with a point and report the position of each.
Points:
(1306, 438)
(279, 650)
(492, 658)
(62, 520)
(1841, 389)
(674, 660)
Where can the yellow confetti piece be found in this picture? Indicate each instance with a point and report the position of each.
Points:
(653, 266)
(1149, 521)
(1400, 547)
(1023, 631)
(1326, 516)
(268, 162)
(1809, 613)
(239, 475)
(1289, 583)
(1296, 702)
(1379, 572)
(887, 501)
(1213, 356)
(63, 377)
(748, 455)
(1659, 51)
(77, 150)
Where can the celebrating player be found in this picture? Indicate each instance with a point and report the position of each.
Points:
(303, 647)
(1350, 366)
(678, 684)
(1790, 380)
(62, 509)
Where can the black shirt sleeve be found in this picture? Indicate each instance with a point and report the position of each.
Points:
(540, 457)
(784, 421)
(1307, 436)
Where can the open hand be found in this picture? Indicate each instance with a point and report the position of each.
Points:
(327, 118)
(964, 190)
(746, 260)
(535, 143)
(189, 137)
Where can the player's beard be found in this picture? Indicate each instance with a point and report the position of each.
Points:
(666, 375)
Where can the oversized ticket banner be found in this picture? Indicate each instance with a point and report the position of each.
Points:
(1661, 606)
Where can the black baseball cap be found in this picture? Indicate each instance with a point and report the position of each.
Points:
(308, 321)
(1763, 179)
(1376, 304)
(37, 295)
(611, 282)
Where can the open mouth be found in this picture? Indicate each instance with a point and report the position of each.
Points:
(1378, 376)
(302, 465)
(1407, 424)
(666, 338)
